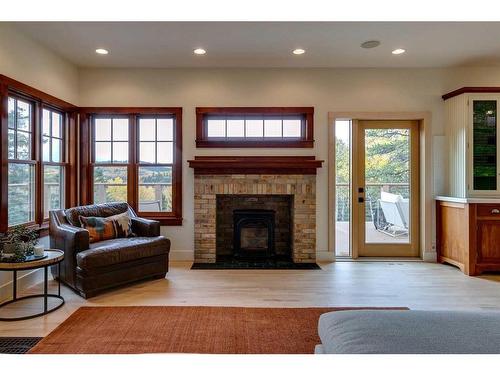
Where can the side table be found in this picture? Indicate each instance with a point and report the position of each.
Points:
(54, 257)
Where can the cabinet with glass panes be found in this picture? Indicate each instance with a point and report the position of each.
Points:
(468, 216)
(472, 134)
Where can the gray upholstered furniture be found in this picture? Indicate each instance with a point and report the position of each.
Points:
(409, 332)
(90, 268)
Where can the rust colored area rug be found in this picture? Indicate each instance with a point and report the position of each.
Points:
(172, 329)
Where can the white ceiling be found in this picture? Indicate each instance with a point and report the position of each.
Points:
(261, 44)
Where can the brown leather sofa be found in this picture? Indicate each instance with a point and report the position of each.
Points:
(90, 268)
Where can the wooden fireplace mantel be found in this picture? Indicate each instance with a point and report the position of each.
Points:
(214, 165)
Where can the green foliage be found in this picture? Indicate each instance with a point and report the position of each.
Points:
(116, 193)
(387, 155)
(22, 239)
(386, 162)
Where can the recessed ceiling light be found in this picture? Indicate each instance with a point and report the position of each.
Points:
(299, 51)
(101, 51)
(398, 51)
(370, 44)
(199, 51)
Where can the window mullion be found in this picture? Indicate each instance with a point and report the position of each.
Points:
(36, 155)
(132, 191)
(15, 129)
(111, 141)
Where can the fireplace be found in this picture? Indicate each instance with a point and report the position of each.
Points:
(254, 227)
(253, 234)
(217, 178)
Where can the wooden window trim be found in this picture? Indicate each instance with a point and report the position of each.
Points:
(63, 163)
(133, 113)
(306, 141)
(39, 100)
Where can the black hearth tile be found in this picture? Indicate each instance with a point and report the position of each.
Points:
(282, 265)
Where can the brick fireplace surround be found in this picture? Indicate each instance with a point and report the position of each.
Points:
(291, 178)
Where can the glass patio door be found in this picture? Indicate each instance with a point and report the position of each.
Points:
(385, 193)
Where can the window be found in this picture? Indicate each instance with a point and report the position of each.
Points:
(156, 157)
(111, 156)
(484, 127)
(21, 170)
(52, 160)
(136, 157)
(254, 127)
(37, 164)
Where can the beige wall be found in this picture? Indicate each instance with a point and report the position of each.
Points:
(27, 61)
(325, 89)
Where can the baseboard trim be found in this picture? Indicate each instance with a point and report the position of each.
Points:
(430, 257)
(24, 281)
(325, 256)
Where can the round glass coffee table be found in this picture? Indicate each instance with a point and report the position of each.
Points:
(51, 258)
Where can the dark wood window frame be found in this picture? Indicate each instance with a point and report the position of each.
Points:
(62, 163)
(38, 100)
(133, 114)
(306, 140)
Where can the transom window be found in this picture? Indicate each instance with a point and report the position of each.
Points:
(254, 127)
(137, 158)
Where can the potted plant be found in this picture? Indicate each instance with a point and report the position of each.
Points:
(18, 243)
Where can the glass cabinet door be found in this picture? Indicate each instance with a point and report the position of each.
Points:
(484, 145)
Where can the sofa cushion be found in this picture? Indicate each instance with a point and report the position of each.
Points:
(99, 210)
(409, 332)
(106, 228)
(121, 250)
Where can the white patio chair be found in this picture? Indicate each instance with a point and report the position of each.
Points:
(396, 211)
(149, 206)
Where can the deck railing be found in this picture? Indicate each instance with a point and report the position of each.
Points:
(372, 194)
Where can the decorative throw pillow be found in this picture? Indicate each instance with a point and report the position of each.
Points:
(99, 228)
(107, 228)
(123, 225)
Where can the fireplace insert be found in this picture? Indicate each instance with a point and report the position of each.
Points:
(254, 234)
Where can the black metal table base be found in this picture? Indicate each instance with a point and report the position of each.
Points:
(45, 295)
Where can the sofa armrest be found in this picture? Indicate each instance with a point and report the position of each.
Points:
(145, 228)
(70, 238)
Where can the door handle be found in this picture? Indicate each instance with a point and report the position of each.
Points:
(361, 199)
(495, 211)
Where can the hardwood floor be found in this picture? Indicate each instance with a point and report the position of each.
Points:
(416, 285)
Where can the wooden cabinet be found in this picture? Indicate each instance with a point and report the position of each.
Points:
(468, 235)
(468, 220)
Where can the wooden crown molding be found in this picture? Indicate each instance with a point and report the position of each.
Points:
(471, 90)
(221, 165)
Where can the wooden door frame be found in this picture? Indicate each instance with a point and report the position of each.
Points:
(427, 251)
(388, 249)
